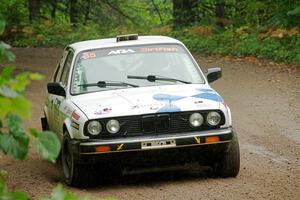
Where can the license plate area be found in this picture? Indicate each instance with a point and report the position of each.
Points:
(158, 144)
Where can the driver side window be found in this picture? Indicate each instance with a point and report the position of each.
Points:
(66, 69)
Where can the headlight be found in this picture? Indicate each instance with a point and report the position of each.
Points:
(94, 127)
(196, 119)
(113, 126)
(213, 118)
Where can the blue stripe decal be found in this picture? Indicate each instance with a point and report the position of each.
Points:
(208, 95)
(167, 99)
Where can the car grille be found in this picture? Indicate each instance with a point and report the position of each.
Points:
(151, 124)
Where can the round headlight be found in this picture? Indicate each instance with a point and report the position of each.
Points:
(94, 127)
(113, 126)
(213, 118)
(196, 119)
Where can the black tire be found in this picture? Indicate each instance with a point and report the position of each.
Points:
(228, 164)
(75, 174)
(44, 123)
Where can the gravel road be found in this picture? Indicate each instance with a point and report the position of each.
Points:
(265, 101)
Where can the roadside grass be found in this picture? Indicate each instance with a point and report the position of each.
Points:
(286, 49)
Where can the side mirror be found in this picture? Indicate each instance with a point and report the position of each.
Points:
(213, 74)
(56, 89)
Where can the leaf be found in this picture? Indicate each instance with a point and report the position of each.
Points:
(17, 147)
(6, 74)
(59, 193)
(21, 106)
(36, 76)
(18, 196)
(5, 53)
(4, 194)
(10, 56)
(22, 80)
(47, 144)
(3, 187)
(7, 92)
(5, 105)
(15, 143)
(18, 105)
(4, 45)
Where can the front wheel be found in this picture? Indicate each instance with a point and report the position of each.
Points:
(228, 163)
(75, 174)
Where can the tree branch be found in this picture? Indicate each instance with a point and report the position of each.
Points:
(121, 12)
(158, 12)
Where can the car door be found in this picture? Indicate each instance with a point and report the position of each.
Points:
(50, 97)
(65, 74)
(61, 76)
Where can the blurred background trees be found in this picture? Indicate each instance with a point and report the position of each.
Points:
(216, 26)
(154, 12)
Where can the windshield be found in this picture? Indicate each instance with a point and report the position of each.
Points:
(116, 64)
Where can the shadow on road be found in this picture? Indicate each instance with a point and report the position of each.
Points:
(151, 176)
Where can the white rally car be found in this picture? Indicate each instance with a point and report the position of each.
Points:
(137, 101)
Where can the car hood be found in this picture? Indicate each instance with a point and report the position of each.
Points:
(146, 100)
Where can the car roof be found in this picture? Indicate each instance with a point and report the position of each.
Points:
(112, 42)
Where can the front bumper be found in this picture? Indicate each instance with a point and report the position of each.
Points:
(190, 139)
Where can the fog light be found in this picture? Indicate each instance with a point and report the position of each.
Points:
(102, 148)
(212, 139)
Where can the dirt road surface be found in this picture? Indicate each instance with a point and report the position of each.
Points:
(265, 101)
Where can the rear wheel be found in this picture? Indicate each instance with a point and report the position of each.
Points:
(75, 173)
(44, 123)
(228, 164)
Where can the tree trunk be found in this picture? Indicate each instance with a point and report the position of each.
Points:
(87, 11)
(220, 13)
(74, 12)
(185, 13)
(34, 9)
(54, 6)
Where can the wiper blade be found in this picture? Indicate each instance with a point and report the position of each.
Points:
(103, 84)
(153, 78)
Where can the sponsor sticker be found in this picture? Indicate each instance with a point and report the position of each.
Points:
(103, 111)
(159, 49)
(75, 125)
(75, 116)
(88, 55)
(120, 51)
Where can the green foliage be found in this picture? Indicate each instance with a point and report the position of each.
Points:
(108, 18)
(13, 107)
(244, 42)
(13, 139)
(294, 12)
(11, 92)
(4, 48)
(47, 144)
(5, 194)
(13, 12)
(60, 194)
(15, 142)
